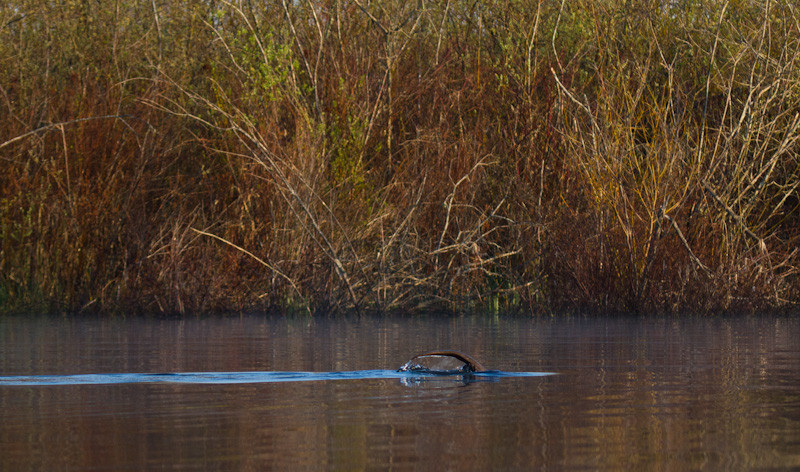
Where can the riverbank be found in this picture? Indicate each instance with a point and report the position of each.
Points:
(323, 156)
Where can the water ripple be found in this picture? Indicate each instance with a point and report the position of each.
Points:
(249, 377)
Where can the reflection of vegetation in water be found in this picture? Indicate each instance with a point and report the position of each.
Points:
(696, 391)
(318, 155)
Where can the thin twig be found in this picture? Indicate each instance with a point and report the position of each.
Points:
(731, 213)
(257, 259)
(60, 125)
(686, 244)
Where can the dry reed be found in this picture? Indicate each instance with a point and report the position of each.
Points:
(327, 156)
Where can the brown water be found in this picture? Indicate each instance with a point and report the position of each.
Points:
(639, 394)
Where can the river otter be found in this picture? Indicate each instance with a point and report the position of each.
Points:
(442, 362)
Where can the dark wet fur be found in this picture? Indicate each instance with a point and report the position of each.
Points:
(473, 365)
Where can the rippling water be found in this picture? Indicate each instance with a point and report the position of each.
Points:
(644, 393)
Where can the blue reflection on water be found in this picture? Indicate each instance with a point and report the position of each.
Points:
(253, 377)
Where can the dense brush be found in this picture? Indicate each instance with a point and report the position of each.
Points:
(326, 155)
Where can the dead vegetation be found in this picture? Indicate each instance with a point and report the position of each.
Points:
(329, 155)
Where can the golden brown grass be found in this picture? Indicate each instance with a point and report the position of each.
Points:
(328, 155)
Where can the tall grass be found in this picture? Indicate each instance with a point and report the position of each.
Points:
(328, 155)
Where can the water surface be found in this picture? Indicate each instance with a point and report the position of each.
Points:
(647, 393)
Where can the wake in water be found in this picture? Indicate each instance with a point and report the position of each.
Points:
(255, 377)
(436, 365)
